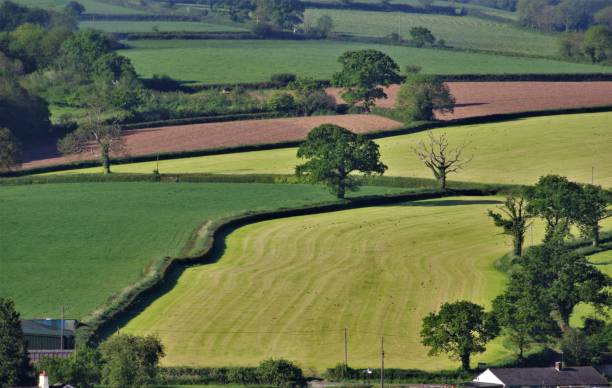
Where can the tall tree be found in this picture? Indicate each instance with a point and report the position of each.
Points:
(598, 44)
(10, 150)
(14, 361)
(333, 153)
(422, 36)
(592, 209)
(555, 199)
(94, 133)
(459, 329)
(362, 75)
(420, 95)
(80, 52)
(513, 218)
(441, 160)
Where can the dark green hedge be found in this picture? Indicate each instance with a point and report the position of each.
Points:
(92, 17)
(222, 375)
(395, 375)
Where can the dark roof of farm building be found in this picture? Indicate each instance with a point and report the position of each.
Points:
(550, 376)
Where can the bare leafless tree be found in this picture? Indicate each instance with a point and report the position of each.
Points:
(94, 133)
(436, 154)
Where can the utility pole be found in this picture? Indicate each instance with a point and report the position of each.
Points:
(346, 348)
(62, 330)
(382, 362)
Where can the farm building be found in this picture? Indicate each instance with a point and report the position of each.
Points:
(553, 377)
(46, 334)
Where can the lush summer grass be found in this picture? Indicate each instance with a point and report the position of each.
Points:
(77, 244)
(517, 151)
(463, 32)
(91, 6)
(288, 288)
(223, 61)
(148, 26)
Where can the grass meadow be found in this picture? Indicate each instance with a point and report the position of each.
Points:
(228, 61)
(91, 6)
(289, 287)
(516, 152)
(162, 26)
(463, 32)
(78, 244)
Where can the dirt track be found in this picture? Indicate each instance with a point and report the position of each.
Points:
(473, 99)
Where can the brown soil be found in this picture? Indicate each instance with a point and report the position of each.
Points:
(218, 135)
(486, 98)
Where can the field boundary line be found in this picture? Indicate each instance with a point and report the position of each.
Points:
(409, 129)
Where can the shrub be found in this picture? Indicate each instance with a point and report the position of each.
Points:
(280, 373)
(282, 102)
(283, 78)
(317, 102)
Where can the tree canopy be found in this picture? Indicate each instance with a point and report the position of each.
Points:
(14, 360)
(421, 95)
(333, 153)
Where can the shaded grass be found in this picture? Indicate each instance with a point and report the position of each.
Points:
(222, 61)
(288, 288)
(511, 152)
(147, 26)
(91, 6)
(463, 32)
(78, 244)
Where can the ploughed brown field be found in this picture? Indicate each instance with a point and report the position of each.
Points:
(486, 98)
(473, 99)
(219, 135)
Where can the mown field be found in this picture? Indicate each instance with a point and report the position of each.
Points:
(463, 32)
(517, 151)
(288, 288)
(78, 244)
(162, 26)
(91, 6)
(222, 61)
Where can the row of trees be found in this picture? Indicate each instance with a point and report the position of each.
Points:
(547, 282)
(564, 15)
(594, 45)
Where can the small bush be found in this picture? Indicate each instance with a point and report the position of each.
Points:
(281, 373)
(282, 102)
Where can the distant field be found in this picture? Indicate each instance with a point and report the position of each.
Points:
(288, 288)
(214, 61)
(517, 151)
(148, 26)
(78, 244)
(91, 6)
(464, 32)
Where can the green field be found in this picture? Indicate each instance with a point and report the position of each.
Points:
(463, 32)
(517, 151)
(288, 288)
(91, 6)
(78, 244)
(228, 61)
(148, 26)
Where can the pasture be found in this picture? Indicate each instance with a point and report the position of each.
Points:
(91, 6)
(517, 152)
(228, 61)
(78, 244)
(289, 287)
(162, 26)
(462, 32)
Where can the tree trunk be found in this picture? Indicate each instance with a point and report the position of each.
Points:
(341, 190)
(519, 239)
(595, 233)
(104, 156)
(465, 361)
(442, 181)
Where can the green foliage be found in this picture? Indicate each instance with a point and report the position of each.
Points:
(82, 50)
(75, 7)
(362, 75)
(420, 95)
(282, 102)
(395, 375)
(516, 219)
(189, 375)
(579, 349)
(598, 44)
(280, 13)
(130, 361)
(333, 153)
(14, 361)
(592, 209)
(82, 369)
(282, 78)
(10, 150)
(459, 329)
(422, 36)
(281, 373)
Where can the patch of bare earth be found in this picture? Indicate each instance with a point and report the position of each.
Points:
(486, 98)
(219, 135)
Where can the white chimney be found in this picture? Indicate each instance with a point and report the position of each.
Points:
(43, 380)
(559, 366)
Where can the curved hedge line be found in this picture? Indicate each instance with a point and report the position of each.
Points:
(106, 318)
(414, 128)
